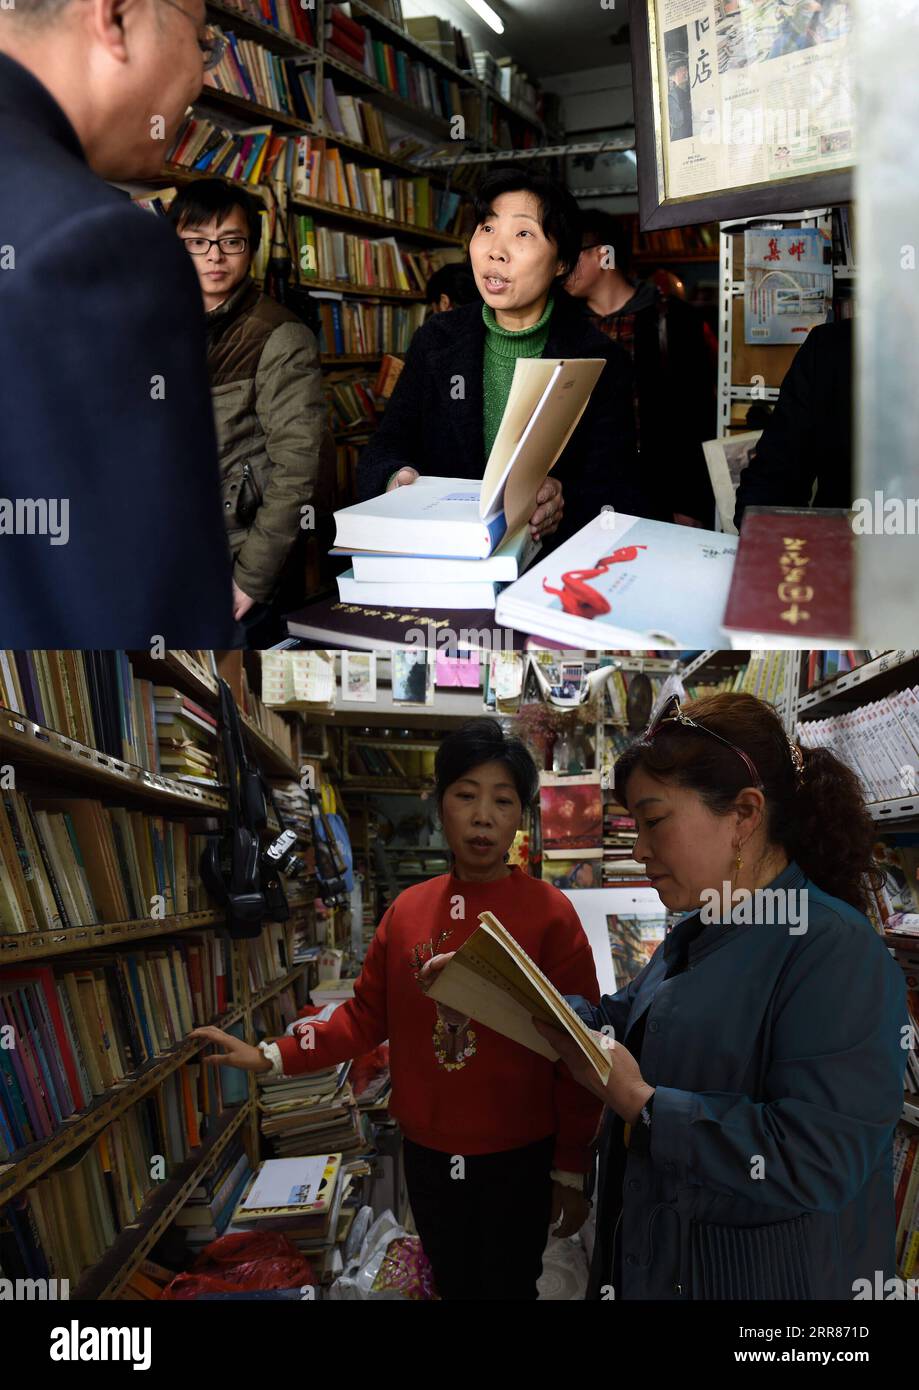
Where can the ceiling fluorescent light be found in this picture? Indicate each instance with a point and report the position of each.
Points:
(486, 12)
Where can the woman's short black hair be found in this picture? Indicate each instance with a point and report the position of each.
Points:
(560, 216)
(481, 741)
(203, 199)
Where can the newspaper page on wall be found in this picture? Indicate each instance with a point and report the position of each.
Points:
(753, 91)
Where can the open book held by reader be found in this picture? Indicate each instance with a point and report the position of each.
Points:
(460, 517)
(493, 980)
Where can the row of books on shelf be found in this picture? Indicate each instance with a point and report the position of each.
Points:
(879, 741)
(72, 861)
(95, 698)
(617, 693)
(251, 71)
(906, 1205)
(406, 763)
(66, 1221)
(822, 665)
(289, 17)
(326, 175)
(80, 1027)
(507, 78)
(351, 403)
(319, 253)
(360, 326)
(411, 79)
(269, 955)
(762, 676)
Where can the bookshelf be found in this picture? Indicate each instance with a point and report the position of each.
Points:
(47, 764)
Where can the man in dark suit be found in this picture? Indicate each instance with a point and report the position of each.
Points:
(111, 531)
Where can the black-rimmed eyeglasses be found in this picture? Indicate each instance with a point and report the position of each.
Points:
(212, 45)
(671, 713)
(201, 245)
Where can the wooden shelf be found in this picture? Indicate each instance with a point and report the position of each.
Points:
(28, 1165)
(266, 33)
(242, 105)
(425, 54)
(275, 987)
(365, 291)
(416, 114)
(371, 219)
(53, 752)
(349, 359)
(132, 1246)
(38, 945)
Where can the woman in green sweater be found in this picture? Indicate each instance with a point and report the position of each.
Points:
(445, 412)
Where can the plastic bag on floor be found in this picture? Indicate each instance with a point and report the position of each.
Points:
(243, 1262)
(390, 1265)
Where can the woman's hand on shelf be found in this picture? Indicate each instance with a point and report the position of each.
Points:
(236, 1053)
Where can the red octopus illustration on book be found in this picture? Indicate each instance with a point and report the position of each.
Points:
(580, 598)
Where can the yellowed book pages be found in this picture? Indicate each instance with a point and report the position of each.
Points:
(493, 980)
(548, 396)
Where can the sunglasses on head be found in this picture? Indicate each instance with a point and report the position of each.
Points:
(671, 713)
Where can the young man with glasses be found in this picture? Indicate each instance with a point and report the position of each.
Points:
(102, 341)
(266, 389)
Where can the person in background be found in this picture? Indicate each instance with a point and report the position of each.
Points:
(758, 1058)
(521, 1127)
(675, 370)
(450, 287)
(807, 440)
(525, 243)
(106, 405)
(266, 388)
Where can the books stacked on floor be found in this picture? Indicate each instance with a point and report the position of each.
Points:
(906, 1187)
(877, 741)
(299, 1198)
(365, 326)
(81, 1027)
(69, 862)
(289, 17)
(210, 1208)
(251, 71)
(186, 737)
(67, 1220)
(312, 1112)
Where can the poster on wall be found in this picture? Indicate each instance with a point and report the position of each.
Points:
(741, 106)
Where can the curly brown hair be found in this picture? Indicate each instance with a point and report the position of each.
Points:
(820, 820)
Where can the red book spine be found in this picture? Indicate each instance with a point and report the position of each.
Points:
(349, 25)
(343, 40)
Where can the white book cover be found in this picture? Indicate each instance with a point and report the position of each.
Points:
(404, 593)
(461, 517)
(625, 581)
(510, 559)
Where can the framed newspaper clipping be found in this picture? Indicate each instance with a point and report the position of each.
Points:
(742, 107)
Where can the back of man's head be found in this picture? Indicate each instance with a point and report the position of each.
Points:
(122, 71)
(601, 228)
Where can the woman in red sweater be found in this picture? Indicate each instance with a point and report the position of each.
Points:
(497, 1139)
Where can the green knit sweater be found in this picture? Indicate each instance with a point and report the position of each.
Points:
(502, 348)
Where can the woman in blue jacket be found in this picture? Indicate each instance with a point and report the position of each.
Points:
(758, 1059)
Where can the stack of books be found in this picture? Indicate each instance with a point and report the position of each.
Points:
(186, 737)
(299, 1198)
(620, 868)
(879, 741)
(310, 1113)
(454, 540)
(208, 1211)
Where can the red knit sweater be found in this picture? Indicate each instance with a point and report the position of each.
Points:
(506, 1095)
